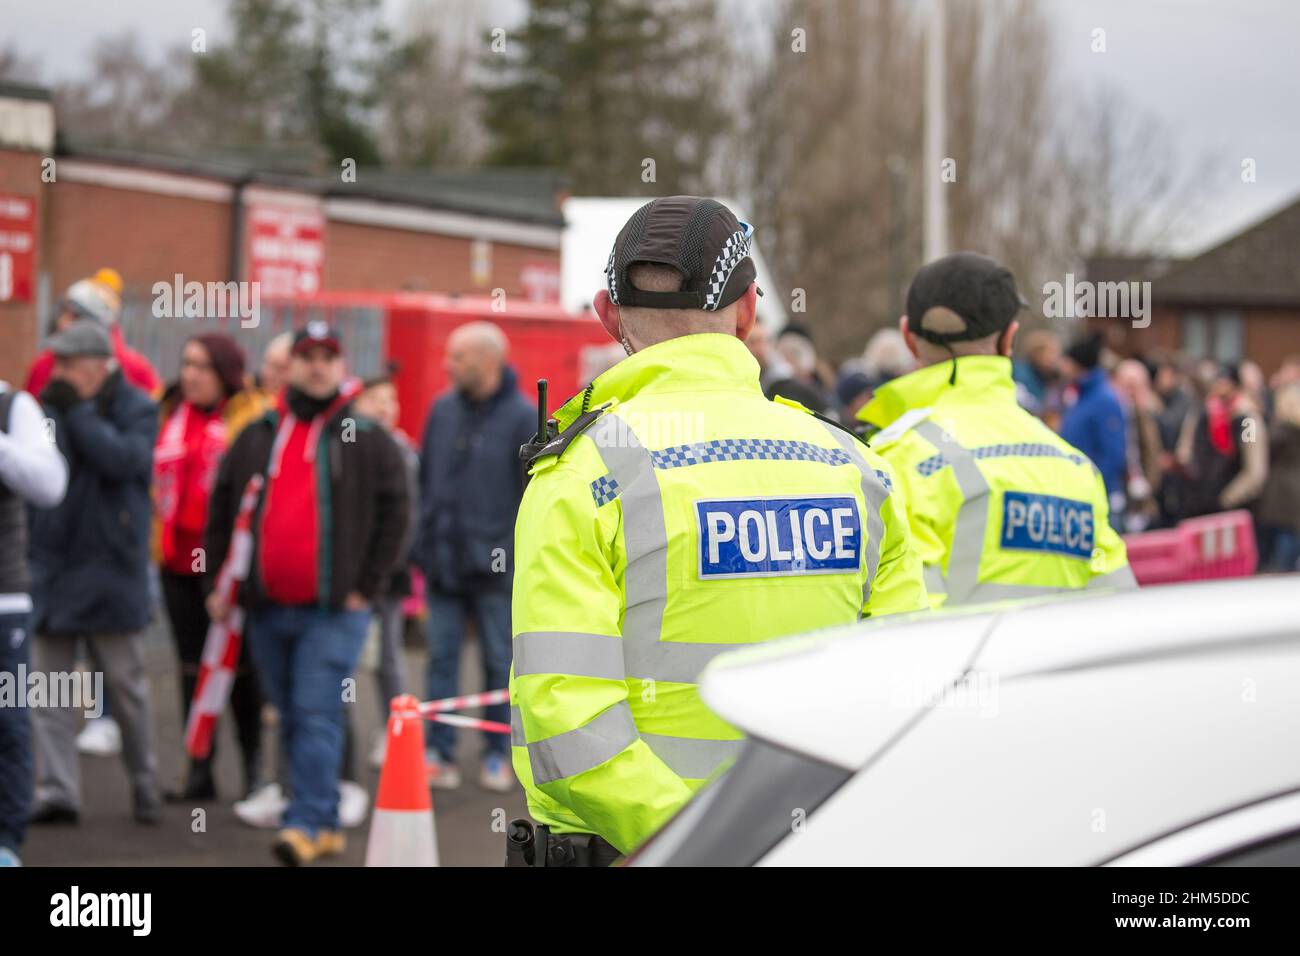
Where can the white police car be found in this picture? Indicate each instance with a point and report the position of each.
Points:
(1155, 727)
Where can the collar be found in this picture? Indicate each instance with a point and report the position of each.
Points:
(979, 377)
(319, 408)
(708, 360)
(1091, 380)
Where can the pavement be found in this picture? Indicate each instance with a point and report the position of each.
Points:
(470, 821)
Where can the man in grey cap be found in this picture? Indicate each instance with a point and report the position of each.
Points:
(90, 559)
(969, 457)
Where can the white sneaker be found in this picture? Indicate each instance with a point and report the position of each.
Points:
(263, 808)
(380, 750)
(100, 737)
(354, 801)
(440, 775)
(496, 775)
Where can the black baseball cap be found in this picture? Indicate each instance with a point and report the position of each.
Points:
(961, 297)
(316, 332)
(700, 238)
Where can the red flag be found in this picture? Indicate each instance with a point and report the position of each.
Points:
(221, 647)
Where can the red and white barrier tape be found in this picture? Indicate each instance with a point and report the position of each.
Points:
(469, 700)
(457, 720)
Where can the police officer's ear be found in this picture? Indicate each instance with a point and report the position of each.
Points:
(747, 312)
(607, 311)
(1006, 341)
(908, 338)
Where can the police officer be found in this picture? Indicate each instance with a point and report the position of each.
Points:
(677, 515)
(999, 505)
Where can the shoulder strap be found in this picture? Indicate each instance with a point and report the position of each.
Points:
(825, 419)
(556, 443)
(900, 426)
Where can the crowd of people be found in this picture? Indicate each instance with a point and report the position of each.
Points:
(119, 494)
(1172, 437)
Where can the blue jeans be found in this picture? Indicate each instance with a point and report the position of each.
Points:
(447, 617)
(15, 732)
(304, 654)
(1279, 549)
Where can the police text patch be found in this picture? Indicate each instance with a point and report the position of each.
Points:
(1046, 523)
(760, 537)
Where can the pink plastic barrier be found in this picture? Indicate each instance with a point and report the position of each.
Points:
(413, 605)
(1198, 549)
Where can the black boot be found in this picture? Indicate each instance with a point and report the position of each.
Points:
(254, 777)
(199, 784)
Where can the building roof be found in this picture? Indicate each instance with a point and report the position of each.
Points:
(1258, 266)
(521, 195)
(24, 91)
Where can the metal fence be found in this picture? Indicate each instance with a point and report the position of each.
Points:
(361, 326)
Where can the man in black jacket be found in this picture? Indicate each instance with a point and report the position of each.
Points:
(327, 533)
(89, 560)
(470, 486)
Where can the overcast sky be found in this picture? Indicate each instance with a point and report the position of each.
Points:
(1223, 74)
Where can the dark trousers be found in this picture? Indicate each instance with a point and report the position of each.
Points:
(15, 732)
(183, 596)
(448, 615)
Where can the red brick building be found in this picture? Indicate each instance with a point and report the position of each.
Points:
(68, 210)
(1235, 301)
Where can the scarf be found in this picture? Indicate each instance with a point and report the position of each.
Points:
(176, 470)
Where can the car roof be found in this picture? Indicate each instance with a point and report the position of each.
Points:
(1067, 731)
(1076, 768)
(844, 693)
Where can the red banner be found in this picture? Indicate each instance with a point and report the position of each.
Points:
(541, 281)
(17, 247)
(286, 249)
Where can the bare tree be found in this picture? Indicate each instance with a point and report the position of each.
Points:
(1127, 188)
(835, 105)
(17, 67)
(1038, 175)
(428, 112)
(126, 97)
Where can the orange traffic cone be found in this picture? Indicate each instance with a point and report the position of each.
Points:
(401, 826)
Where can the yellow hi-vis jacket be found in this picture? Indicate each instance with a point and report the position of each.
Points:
(1000, 506)
(691, 518)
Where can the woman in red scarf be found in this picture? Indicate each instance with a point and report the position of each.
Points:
(201, 414)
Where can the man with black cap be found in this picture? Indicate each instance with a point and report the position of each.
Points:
(328, 531)
(677, 514)
(999, 505)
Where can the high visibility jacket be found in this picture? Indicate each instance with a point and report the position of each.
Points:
(691, 517)
(1000, 506)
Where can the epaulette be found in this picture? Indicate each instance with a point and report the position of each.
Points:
(899, 427)
(557, 441)
(826, 419)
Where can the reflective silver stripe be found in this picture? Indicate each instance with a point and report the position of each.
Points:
(972, 518)
(874, 493)
(691, 758)
(1120, 578)
(517, 738)
(644, 533)
(934, 582)
(645, 537)
(675, 661)
(577, 751)
(574, 654)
